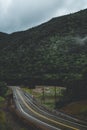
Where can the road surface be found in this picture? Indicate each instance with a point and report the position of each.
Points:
(32, 112)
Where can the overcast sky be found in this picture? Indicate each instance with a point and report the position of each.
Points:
(18, 15)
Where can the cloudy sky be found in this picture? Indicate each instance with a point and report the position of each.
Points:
(17, 15)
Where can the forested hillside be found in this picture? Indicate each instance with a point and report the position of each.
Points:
(52, 53)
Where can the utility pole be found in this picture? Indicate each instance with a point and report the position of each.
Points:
(43, 97)
(55, 96)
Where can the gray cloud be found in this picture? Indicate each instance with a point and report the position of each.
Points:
(16, 15)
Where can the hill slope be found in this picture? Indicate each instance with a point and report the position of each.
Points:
(52, 53)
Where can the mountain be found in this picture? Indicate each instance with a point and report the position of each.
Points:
(53, 53)
(75, 24)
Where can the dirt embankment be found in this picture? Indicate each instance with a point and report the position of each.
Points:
(78, 109)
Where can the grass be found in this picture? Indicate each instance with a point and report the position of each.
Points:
(2, 117)
(1, 99)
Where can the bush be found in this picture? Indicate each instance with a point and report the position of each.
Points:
(3, 89)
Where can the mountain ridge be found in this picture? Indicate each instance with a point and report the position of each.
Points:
(52, 53)
(51, 20)
(63, 25)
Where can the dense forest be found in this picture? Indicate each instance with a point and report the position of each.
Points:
(53, 53)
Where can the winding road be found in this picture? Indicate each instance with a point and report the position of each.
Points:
(28, 108)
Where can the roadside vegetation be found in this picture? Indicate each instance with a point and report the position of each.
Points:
(3, 122)
(3, 89)
(3, 92)
(8, 120)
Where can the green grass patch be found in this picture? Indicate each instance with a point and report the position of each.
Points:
(1, 99)
(2, 117)
(49, 105)
(27, 90)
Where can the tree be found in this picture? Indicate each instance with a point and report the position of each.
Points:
(3, 88)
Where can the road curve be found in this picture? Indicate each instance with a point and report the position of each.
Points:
(30, 110)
